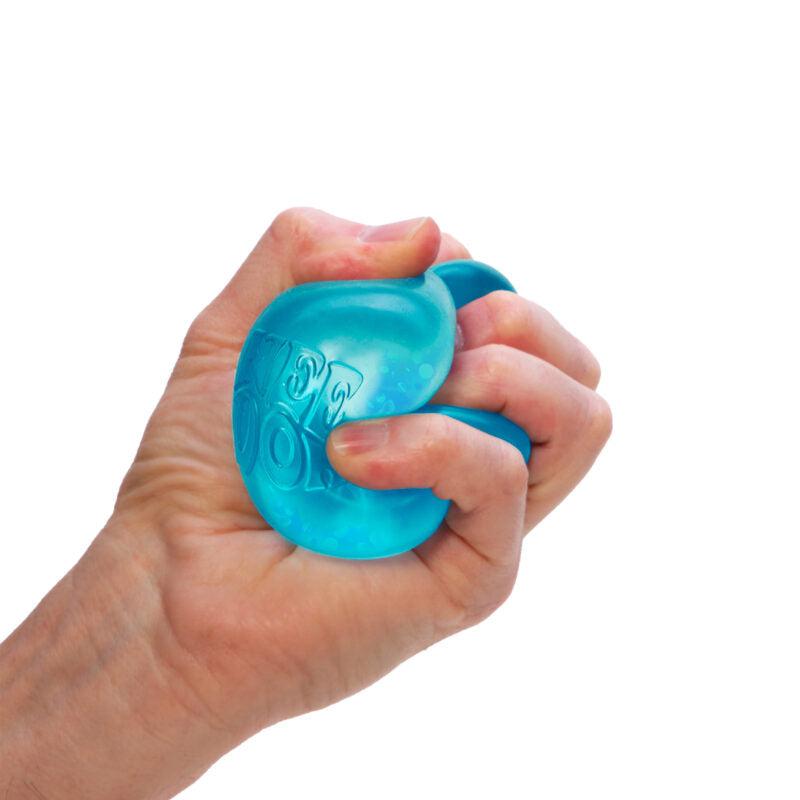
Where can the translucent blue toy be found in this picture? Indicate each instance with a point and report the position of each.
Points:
(326, 353)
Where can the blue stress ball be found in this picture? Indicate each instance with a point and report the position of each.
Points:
(326, 353)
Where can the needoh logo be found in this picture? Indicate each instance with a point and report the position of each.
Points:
(288, 399)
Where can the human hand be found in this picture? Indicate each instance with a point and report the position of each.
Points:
(241, 628)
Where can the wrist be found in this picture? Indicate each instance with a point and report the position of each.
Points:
(97, 699)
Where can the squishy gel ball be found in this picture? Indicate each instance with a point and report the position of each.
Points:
(327, 353)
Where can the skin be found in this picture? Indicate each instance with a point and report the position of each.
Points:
(189, 624)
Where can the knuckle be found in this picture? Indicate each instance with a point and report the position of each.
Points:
(487, 593)
(289, 225)
(510, 471)
(498, 472)
(504, 584)
(510, 315)
(599, 421)
(195, 329)
(438, 438)
(494, 365)
(589, 369)
(196, 334)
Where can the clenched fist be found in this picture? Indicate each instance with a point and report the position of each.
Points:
(189, 624)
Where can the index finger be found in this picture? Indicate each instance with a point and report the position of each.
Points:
(506, 318)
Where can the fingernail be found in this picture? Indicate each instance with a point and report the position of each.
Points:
(393, 232)
(360, 437)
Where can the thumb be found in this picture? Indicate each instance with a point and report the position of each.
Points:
(306, 244)
(340, 250)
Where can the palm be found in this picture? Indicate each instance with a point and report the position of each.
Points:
(235, 587)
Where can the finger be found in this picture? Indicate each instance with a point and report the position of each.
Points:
(336, 249)
(567, 422)
(305, 244)
(450, 249)
(485, 477)
(506, 318)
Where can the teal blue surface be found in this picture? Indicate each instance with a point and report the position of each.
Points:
(469, 280)
(323, 354)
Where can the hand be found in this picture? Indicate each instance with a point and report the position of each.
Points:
(241, 628)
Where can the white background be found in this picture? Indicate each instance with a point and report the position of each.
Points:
(633, 166)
